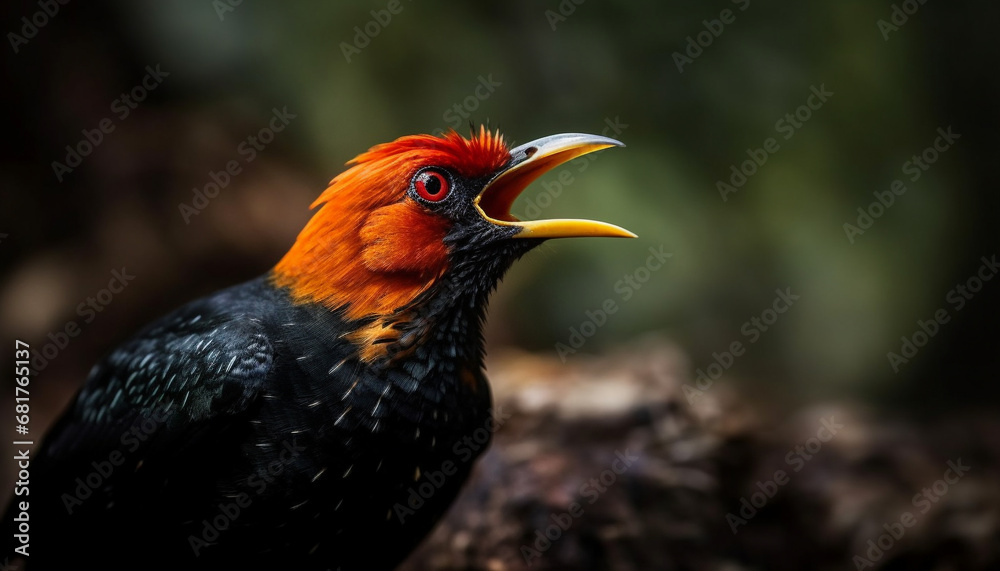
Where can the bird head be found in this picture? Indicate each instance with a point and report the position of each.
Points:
(423, 211)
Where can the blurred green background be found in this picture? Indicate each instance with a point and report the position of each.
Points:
(552, 67)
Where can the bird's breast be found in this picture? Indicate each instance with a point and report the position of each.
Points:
(356, 450)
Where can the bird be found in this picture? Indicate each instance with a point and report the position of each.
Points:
(323, 415)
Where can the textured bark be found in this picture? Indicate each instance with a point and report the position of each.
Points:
(695, 461)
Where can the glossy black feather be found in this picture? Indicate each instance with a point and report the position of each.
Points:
(246, 398)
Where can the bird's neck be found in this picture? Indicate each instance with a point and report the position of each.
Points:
(391, 315)
(449, 317)
(441, 325)
(388, 315)
(341, 274)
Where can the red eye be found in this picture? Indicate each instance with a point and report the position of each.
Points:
(431, 185)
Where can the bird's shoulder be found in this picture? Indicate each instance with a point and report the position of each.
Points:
(209, 356)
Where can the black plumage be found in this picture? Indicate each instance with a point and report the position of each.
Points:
(246, 402)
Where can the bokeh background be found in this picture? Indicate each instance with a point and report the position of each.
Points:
(533, 69)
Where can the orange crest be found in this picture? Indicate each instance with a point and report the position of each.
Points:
(370, 249)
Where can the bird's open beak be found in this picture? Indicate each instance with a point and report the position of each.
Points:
(530, 161)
